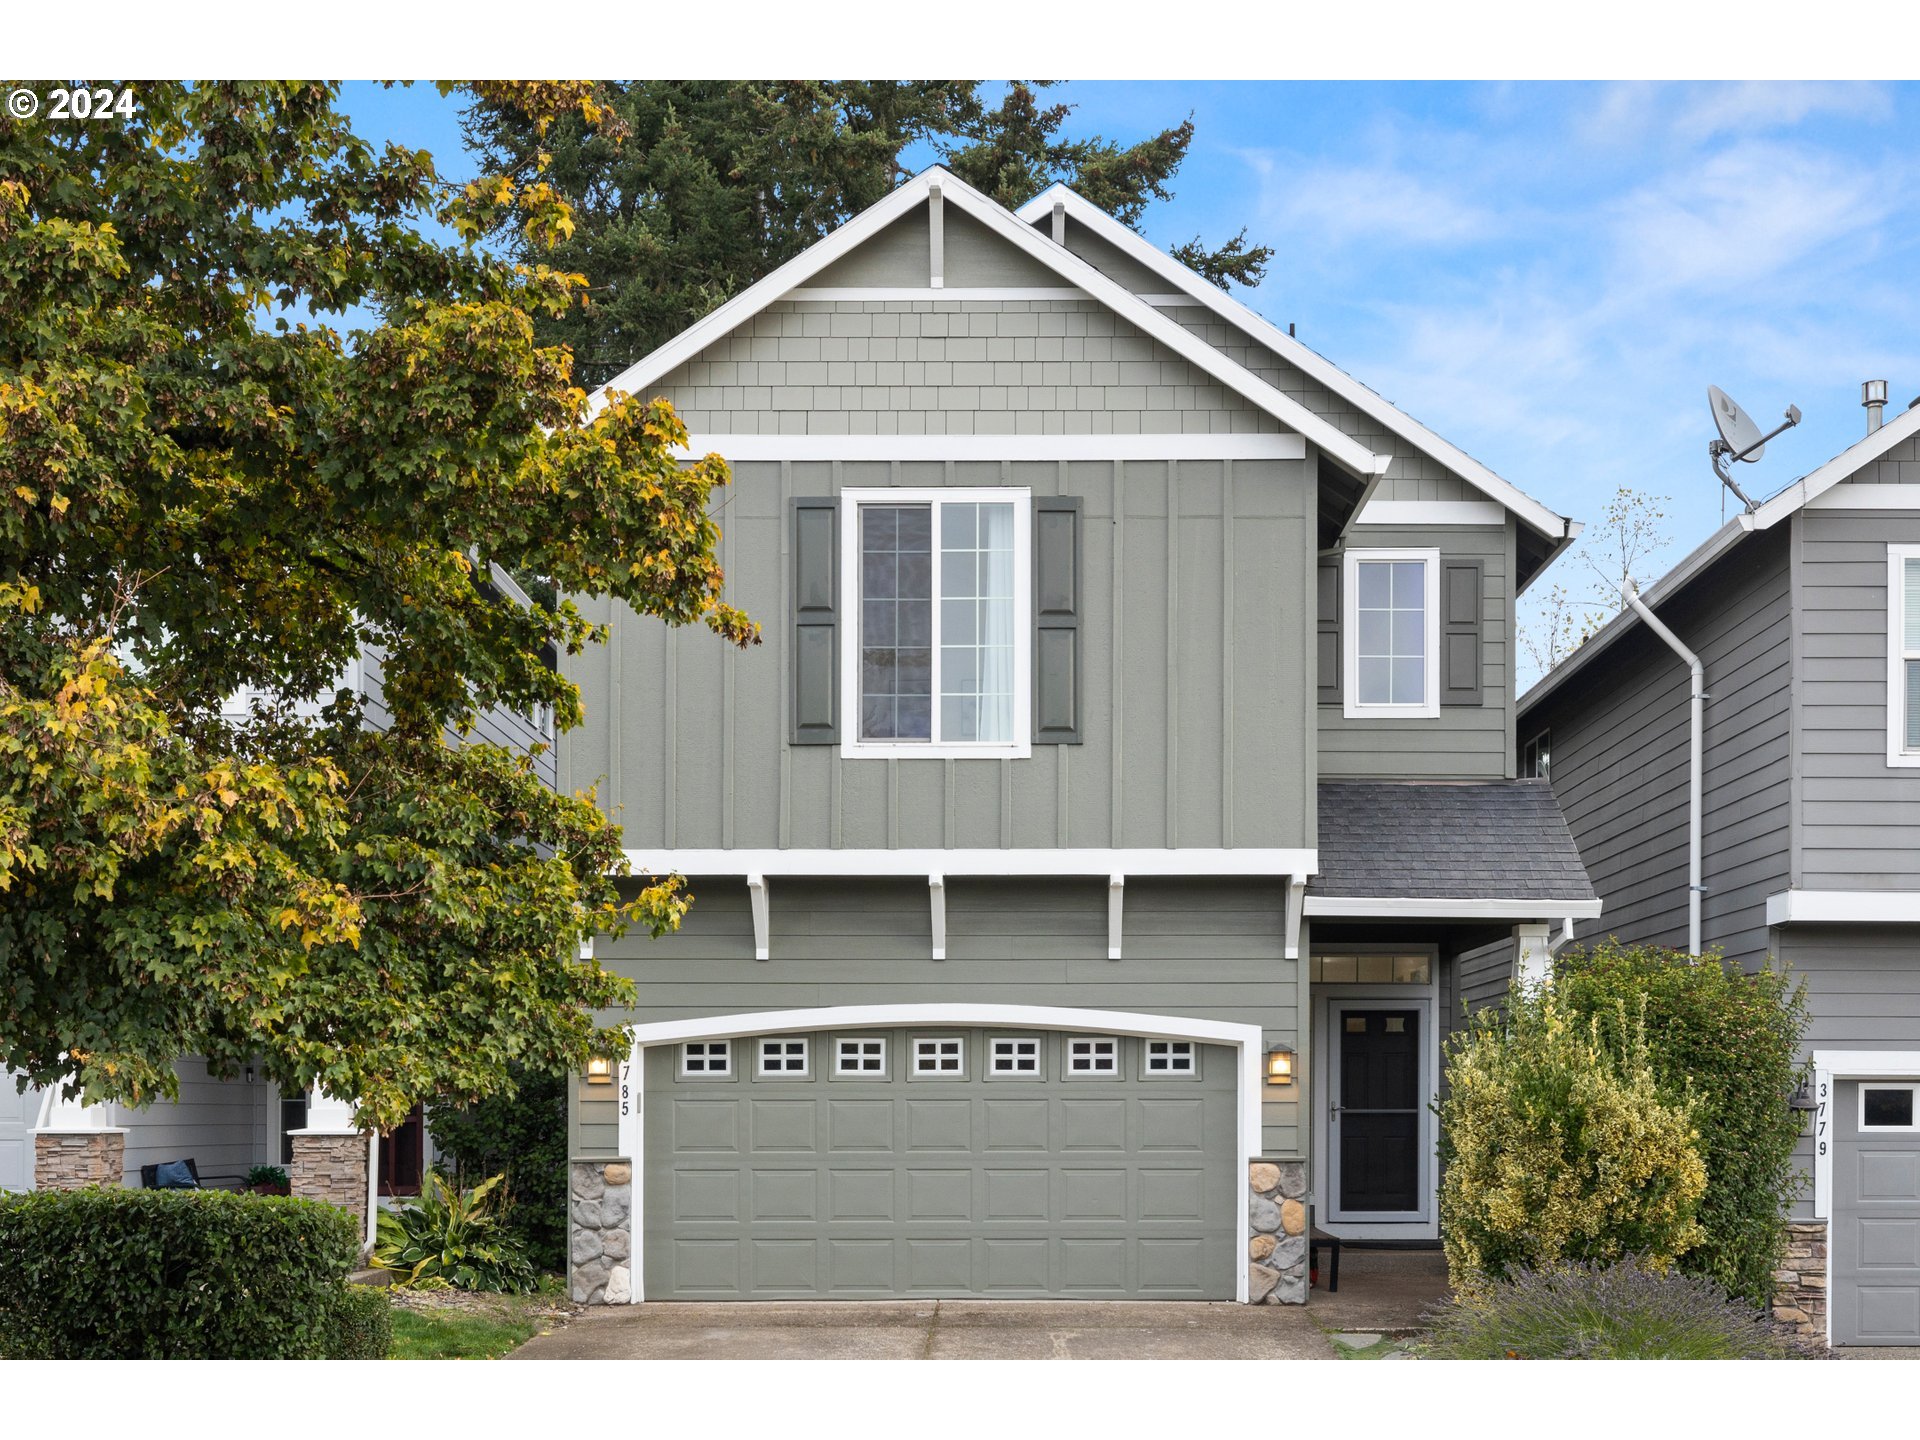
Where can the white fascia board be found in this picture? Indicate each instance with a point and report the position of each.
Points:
(907, 292)
(742, 448)
(782, 282)
(1329, 907)
(891, 863)
(1290, 349)
(1868, 497)
(1417, 513)
(1815, 483)
(1655, 595)
(1844, 907)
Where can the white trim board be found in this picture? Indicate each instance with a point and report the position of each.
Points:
(1397, 908)
(1868, 497)
(1844, 907)
(1337, 444)
(1247, 1040)
(1428, 708)
(1432, 512)
(1309, 362)
(864, 293)
(1816, 483)
(1899, 655)
(742, 448)
(921, 863)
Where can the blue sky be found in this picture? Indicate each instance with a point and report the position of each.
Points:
(1548, 275)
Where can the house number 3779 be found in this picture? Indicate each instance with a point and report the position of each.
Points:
(1820, 1120)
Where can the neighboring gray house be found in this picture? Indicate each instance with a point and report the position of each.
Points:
(1805, 615)
(228, 1126)
(1118, 813)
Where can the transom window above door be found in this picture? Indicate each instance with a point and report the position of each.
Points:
(1370, 969)
(939, 660)
(1391, 630)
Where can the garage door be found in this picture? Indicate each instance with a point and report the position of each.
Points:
(940, 1163)
(17, 1114)
(1876, 1213)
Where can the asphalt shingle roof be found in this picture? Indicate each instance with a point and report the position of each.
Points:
(1504, 840)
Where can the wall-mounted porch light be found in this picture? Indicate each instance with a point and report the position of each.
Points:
(599, 1070)
(1279, 1066)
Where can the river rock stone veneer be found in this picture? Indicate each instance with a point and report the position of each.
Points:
(600, 1240)
(1800, 1284)
(1277, 1253)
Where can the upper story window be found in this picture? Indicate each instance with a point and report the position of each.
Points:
(939, 662)
(1903, 655)
(1391, 628)
(1536, 757)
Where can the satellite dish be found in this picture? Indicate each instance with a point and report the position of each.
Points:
(1743, 438)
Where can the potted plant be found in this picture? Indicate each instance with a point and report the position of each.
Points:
(268, 1180)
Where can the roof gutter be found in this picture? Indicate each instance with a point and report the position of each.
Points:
(1696, 721)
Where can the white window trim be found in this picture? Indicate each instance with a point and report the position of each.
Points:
(1113, 1054)
(760, 1070)
(1898, 756)
(1192, 1057)
(1429, 709)
(913, 1056)
(1039, 1043)
(852, 747)
(1910, 1086)
(844, 1074)
(726, 1074)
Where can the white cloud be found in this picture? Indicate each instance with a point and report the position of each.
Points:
(1754, 105)
(1381, 205)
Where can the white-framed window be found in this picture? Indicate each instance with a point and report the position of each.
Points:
(1536, 757)
(1903, 655)
(939, 603)
(1093, 1055)
(706, 1058)
(943, 1055)
(1888, 1106)
(1014, 1055)
(1169, 1057)
(1390, 633)
(861, 1055)
(783, 1055)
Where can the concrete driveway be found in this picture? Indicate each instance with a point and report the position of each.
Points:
(937, 1330)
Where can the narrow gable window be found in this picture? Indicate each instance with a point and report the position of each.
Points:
(940, 660)
(1903, 655)
(1391, 633)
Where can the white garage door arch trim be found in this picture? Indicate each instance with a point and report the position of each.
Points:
(1246, 1040)
(1829, 1066)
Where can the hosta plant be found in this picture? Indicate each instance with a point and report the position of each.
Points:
(452, 1237)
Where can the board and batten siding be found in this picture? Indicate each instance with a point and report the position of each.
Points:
(1464, 741)
(1205, 949)
(1621, 754)
(1863, 993)
(1196, 629)
(1857, 818)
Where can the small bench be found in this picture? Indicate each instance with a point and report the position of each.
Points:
(149, 1174)
(1317, 1240)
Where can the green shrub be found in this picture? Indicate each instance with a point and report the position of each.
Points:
(452, 1236)
(1557, 1147)
(524, 1136)
(1732, 1041)
(362, 1326)
(110, 1274)
(1618, 1312)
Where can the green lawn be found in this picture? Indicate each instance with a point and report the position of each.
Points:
(458, 1335)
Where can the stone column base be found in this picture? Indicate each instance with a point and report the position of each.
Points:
(599, 1234)
(1800, 1284)
(1277, 1253)
(331, 1165)
(75, 1159)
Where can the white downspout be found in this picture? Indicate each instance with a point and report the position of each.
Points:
(1697, 743)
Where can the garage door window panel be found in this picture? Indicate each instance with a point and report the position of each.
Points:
(783, 1057)
(1169, 1060)
(1091, 1057)
(939, 1057)
(706, 1060)
(1889, 1107)
(860, 1057)
(1016, 1057)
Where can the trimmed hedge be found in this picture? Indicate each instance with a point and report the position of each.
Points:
(362, 1324)
(111, 1274)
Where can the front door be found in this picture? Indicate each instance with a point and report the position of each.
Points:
(1375, 1114)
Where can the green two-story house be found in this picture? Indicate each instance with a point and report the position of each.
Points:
(1119, 812)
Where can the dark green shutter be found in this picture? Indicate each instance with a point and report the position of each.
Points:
(1056, 620)
(1460, 633)
(1329, 631)
(815, 672)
